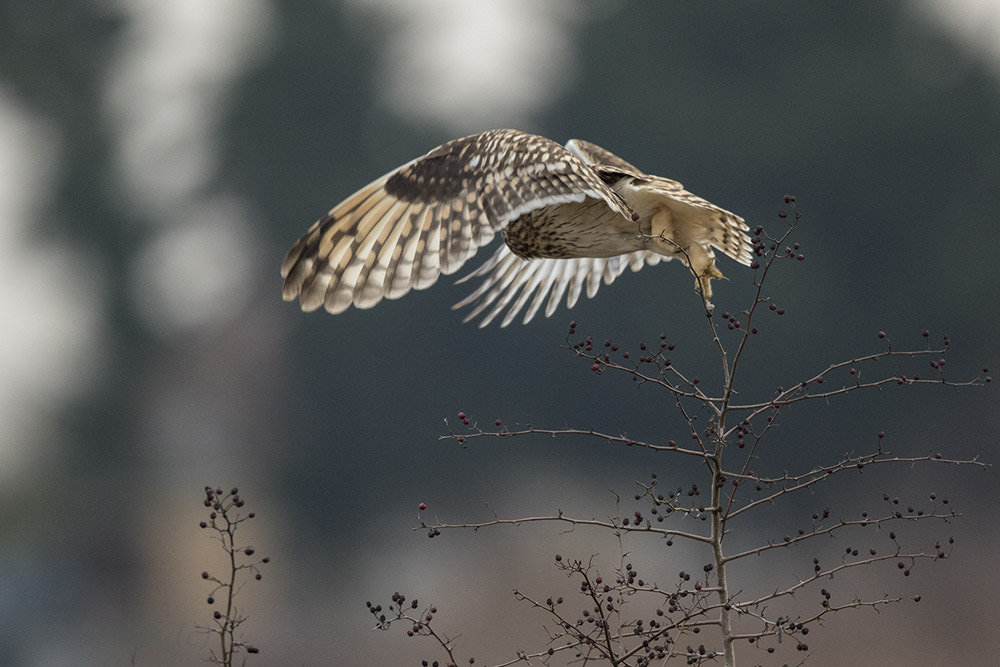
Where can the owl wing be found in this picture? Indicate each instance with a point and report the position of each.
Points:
(429, 216)
(602, 160)
(709, 223)
(532, 282)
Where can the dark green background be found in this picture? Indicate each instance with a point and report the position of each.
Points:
(885, 128)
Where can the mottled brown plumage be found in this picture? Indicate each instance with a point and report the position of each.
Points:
(569, 216)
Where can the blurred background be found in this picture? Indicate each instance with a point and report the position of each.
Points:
(157, 160)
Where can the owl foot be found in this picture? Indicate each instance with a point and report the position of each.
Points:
(703, 283)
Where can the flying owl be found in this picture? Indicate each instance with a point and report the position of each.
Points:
(569, 217)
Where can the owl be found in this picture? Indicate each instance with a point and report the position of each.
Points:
(571, 217)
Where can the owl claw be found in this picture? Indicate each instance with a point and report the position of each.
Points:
(703, 286)
(703, 282)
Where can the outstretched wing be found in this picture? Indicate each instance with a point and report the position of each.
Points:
(530, 282)
(430, 215)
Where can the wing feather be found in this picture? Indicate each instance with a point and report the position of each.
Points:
(403, 255)
(372, 285)
(565, 273)
(720, 228)
(341, 294)
(547, 276)
(512, 281)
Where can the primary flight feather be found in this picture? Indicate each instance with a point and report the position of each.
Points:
(570, 217)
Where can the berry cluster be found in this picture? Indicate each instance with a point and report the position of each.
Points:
(653, 618)
(603, 629)
(224, 518)
(418, 624)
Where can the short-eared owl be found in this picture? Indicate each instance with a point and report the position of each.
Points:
(569, 216)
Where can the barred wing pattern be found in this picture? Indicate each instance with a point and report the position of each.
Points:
(427, 217)
(570, 217)
(604, 161)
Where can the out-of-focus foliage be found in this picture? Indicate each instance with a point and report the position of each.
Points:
(158, 159)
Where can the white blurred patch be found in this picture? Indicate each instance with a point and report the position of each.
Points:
(52, 300)
(196, 270)
(474, 65)
(976, 23)
(166, 95)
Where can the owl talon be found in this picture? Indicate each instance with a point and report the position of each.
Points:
(703, 286)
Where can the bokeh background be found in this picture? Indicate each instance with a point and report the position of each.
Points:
(157, 159)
